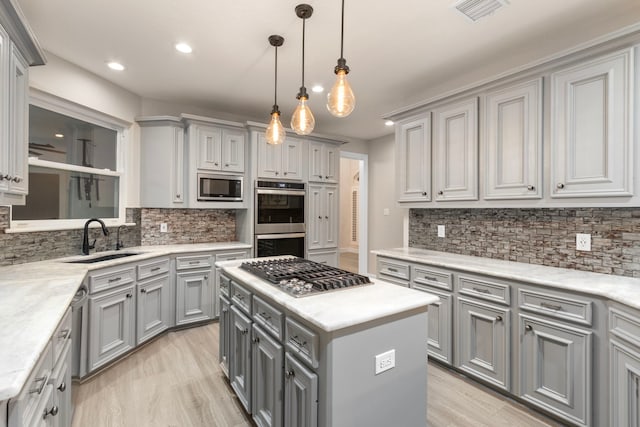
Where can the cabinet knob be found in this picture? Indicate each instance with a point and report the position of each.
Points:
(226, 165)
(326, 177)
(284, 173)
(143, 291)
(277, 172)
(290, 374)
(129, 296)
(244, 331)
(216, 163)
(326, 217)
(255, 340)
(1, 177)
(16, 179)
(530, 187)
(528, 328)
(498, 318)
(440, 193)
(177, 196)
(8, 177)
(560, 186)
(424, 193)
(62, 386)
(53, 412)
(206, 277)
(319, 217)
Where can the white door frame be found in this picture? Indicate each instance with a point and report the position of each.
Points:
(363, 202)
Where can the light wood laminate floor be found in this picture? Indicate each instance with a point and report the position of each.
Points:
(176, 381)
(349, 261)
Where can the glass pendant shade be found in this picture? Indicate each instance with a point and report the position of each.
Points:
(341, 100)
(275, 133)
(302, 121)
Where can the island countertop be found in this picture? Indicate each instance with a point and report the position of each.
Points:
(335, 310)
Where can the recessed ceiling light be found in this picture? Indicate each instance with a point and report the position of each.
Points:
(59, 135)
(388, 123)
(184, 48)
(317, 89)
(116, 66)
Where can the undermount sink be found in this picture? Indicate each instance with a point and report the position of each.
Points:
(102, 258)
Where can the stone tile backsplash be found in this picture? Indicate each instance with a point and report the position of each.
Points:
(535, 236)
(184, 226)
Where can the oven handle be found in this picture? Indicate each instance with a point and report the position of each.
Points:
(281, 192)
(279, 236)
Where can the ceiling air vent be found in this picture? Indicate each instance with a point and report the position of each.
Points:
(477, 9)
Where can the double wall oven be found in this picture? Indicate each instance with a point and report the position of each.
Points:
(279, 218)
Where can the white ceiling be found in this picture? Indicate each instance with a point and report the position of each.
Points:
(399, 52)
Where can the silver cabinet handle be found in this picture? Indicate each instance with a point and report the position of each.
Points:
(433, 279)
(395, 270)
(53, 412)
(550, 306)
(498, 318)
(530, 187)
(528, 327)
(116, 279)
(560, 186)
(42, 381)
(482, 290)
(64, 334)
(194, 262)
(155, 269)
(62, 387)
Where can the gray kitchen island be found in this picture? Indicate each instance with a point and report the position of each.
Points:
(353, 356)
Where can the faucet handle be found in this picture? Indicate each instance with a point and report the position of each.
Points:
(93, 245)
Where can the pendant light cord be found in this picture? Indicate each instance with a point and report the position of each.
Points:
(304, 21)
(342, 32)
(275, 92)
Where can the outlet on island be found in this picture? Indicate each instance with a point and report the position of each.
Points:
(385, 361)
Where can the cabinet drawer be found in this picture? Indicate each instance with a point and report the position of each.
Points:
(394, 269)
(231, 256)
(426, 276)
(489, 290)
(302, 341)
(625, 326)
(62, 335)
(193, 261)
(152, 268)
(225, 286)
(241, 297)
(267, 316)
(109, 279)
(555, 306)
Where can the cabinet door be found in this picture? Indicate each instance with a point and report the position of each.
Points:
(591, 128)
(112, 325)
(300, 394)
(240, 363)
(224, 334)
(18, 123)
(209, 148)
(324, 257)
(331, 163)
(315, 162)
(414, 160)
(193, 296)
(266, 382)
(233, 144)
(316, 217)
(484, 346)
(177, 166)
(269, 158)
(5, 54)
(61, 382)
(153, 308)
(455, 151)
(625, 385)
(330, 197)
(513, 123)
(292, 158)
(555, 368)
(440, 328)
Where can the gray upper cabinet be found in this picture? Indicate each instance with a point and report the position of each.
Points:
(455, 151)
(220, 149)
(322, 231)
(324, 162)
(513, 142)
(413, 165)
(282, 161)
(592, 128)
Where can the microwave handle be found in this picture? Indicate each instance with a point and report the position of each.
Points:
(281, 192)
(279, 236)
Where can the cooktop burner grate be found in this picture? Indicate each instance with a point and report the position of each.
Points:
(301, 277)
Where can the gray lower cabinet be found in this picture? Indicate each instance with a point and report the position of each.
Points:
(556, 368)
(440, 328)
(194, 300)
(240, 360)
(300, 394)
(61, 382)
(111, 325)
(625, 385)
(224, 334)
(484, 347)
(266, 381)
(154, 309)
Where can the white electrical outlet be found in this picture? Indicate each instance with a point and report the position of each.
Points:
(583, 242)
(163, 227)
(385, 361)
(441, 231)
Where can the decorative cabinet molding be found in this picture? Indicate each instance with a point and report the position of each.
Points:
(625, 385)
(513, 142)
(592, 128)
(219, 150)
(413, 165)
(324, 162)
(455, 151)
(283, 161)
(322, 232)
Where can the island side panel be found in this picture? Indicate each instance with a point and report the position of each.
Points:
(351, 394)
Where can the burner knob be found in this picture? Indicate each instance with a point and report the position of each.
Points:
(283, 283)
(297, 289)
(289, 285)
(308, 286)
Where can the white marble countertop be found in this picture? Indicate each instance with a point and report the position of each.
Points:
(35, 296)
(338, 309)
(625, 290)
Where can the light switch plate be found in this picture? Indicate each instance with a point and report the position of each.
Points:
(385, 212)
(385, 361)
(441, 231)
(583, 242)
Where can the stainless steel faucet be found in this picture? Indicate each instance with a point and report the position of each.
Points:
(85, 239)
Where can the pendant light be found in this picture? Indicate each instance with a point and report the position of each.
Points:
(340, 99)
(275, 133)
(302, 120)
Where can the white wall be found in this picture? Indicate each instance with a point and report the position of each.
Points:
(385, 231)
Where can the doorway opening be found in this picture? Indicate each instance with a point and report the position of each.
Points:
(353, 241)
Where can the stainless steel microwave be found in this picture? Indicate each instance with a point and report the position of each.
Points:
(219, 188)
